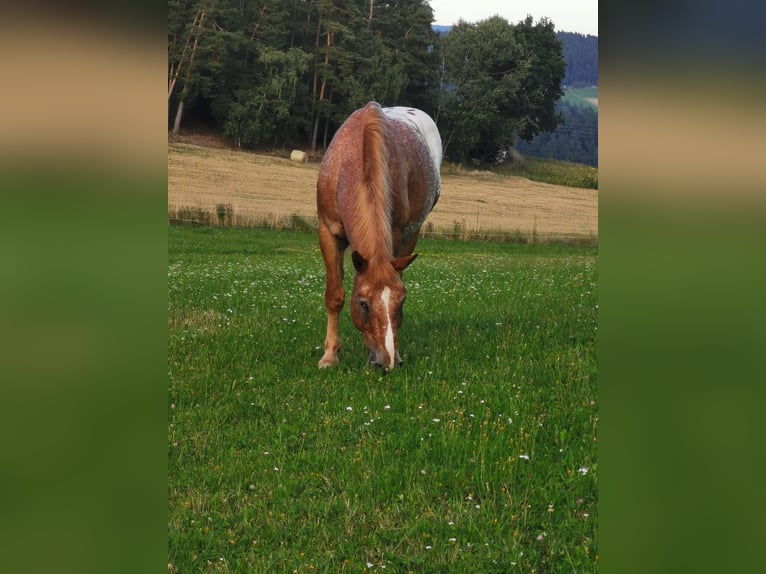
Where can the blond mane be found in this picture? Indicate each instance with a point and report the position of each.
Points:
(372, 196)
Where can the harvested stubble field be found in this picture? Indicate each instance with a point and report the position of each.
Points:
(268, 188)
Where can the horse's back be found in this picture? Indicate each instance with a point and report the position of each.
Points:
(414, 152)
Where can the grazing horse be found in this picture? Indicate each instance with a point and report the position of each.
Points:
(378, 182)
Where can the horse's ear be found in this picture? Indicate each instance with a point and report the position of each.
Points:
(360, 263)
(401, 263)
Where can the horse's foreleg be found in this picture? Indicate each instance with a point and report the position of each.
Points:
(334, 295)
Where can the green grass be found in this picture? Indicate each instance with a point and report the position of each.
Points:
(553, 171)
(578, 96)
(478, 455)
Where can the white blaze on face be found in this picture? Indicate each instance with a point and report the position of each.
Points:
(385, 297)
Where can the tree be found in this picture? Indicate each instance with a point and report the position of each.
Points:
(367, 50)
(261, 113)
(499, 82)
(185, 25)
(541, 86)
(405, 29)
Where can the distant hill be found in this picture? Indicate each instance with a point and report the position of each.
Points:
(581, 55)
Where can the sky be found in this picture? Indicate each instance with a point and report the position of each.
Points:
(567, 15)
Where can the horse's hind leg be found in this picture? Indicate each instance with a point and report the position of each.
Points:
(334, 295)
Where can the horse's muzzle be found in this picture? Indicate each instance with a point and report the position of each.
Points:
(379, 360)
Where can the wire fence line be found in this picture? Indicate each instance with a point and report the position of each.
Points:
(225, 216)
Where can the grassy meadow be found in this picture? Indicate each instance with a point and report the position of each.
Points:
(478, 455)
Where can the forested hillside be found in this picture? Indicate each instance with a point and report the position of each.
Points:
(581, 56)
(266, 73)
(576, 140)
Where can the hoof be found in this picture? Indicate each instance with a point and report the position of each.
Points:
(326, 362)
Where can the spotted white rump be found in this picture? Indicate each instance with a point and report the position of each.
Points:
(424, 125)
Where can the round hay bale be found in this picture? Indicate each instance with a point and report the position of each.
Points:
(298, 155)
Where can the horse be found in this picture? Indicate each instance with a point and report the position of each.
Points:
(378, 181)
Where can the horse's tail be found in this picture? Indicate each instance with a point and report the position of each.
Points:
(377, 178)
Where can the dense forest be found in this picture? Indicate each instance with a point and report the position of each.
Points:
(284, 73)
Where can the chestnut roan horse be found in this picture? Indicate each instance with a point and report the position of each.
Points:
(378, 182)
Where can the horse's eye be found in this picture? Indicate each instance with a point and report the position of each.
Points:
(364, 306)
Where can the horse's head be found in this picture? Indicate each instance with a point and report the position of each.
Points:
(376, 305)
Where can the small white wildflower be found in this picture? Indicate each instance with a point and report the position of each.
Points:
(524, 456)
(428, 548)
(436, 420)
(582, 470)
(349, 408)
(370, 565)
(276, 469)
(387, 407)
(453, 540)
